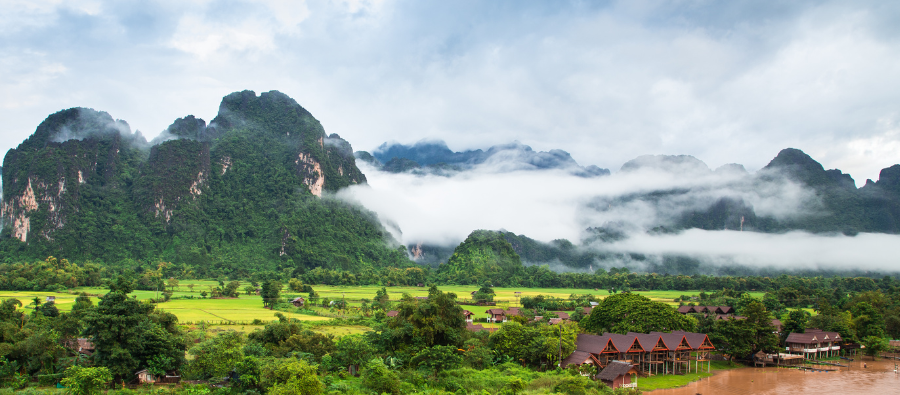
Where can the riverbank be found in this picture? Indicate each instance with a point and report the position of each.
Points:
(669, 381)
(859, 377)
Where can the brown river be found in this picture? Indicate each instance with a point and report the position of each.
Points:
(878, 377)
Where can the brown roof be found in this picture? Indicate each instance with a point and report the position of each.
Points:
(672, 340)
(392, 313)
(513, 311)
(554, 321)
(467, 313)
(804, 338)
(592, 343)
(576, 358)
(562, 315)
(623, 342)
(726, 309)
(648, 341)
(777, 324)
(697, 341)
(495, 311)
(475, 328)
(587, 310)
(684, 309)
(614, 370)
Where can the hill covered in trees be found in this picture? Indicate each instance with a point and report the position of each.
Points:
(248, 192)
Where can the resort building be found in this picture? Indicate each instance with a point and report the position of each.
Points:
(649, 353)
(814, 343)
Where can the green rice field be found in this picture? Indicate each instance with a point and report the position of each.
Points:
(247, 308)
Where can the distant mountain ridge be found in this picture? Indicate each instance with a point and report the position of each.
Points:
(435, 157)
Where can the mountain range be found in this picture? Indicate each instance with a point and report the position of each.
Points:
(251, 191)
(434, 157)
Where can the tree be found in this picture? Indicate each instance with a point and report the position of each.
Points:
(420, 323)
(216, 356)
(353, 350)
(795, 323)
(128, 333)
(875, 345)
(627, 312)
(271, 292)
(86, 381)
(485, 293)
(867, 320)
(172, 283)
(231, 289)
(437, 358)
(290, 377)
(377, 377)
(760, 324)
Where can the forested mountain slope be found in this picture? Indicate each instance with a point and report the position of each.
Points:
(244, 193)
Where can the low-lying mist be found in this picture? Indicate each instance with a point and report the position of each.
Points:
(634, 203)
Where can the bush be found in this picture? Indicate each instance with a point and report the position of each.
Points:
(86, 381)
(377, 377)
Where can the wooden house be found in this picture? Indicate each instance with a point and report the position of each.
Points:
(618, 374)
(298, 302)
(469, 316)
(496, 315)
(392, 313)
(814, 343)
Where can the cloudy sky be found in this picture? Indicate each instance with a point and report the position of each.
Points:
(731, 81)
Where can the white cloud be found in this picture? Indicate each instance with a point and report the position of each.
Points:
(796, 250)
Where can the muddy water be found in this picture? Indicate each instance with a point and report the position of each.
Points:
(878, 378)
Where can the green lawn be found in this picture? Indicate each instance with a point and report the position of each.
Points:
(674, 381)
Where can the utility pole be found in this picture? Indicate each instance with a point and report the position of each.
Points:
(559, 363)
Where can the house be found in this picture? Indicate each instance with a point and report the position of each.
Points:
(469, 316)
(777, 324)
(814, 343)
(81, 346)
(618, 374)
(393, 313)
(298, 302)
(51, 299)
(650, 353)
(144, 377)
(496, 315)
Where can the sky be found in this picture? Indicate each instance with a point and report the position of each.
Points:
(607, 81)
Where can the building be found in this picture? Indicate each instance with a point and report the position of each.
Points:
(714, 310)
(298, 302)
(650, 353)
(618, 374)
(814, 343)
(469, 316)
(496, 315)
(393, 313)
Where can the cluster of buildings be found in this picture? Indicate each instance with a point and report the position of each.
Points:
(648, 353)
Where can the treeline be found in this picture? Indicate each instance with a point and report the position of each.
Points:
(426, 348)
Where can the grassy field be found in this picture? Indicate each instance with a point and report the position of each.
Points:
(675, 381)
(247, 308)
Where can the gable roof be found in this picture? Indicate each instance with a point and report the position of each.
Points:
(674, 341)
(467, 313)
(495, 311)
(576, 358)
(803, 338)
(685, 309)
(624, 342)
(593, 344)
(697, 341)
(393, 313)
(614, 370)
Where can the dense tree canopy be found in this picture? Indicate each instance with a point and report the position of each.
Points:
(629, 312)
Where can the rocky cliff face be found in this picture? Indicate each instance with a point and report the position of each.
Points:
(83, 180)
(45, 175)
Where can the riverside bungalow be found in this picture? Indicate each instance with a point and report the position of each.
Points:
(814, 343)
(653, 353)
(702, 347)
(618, 375)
